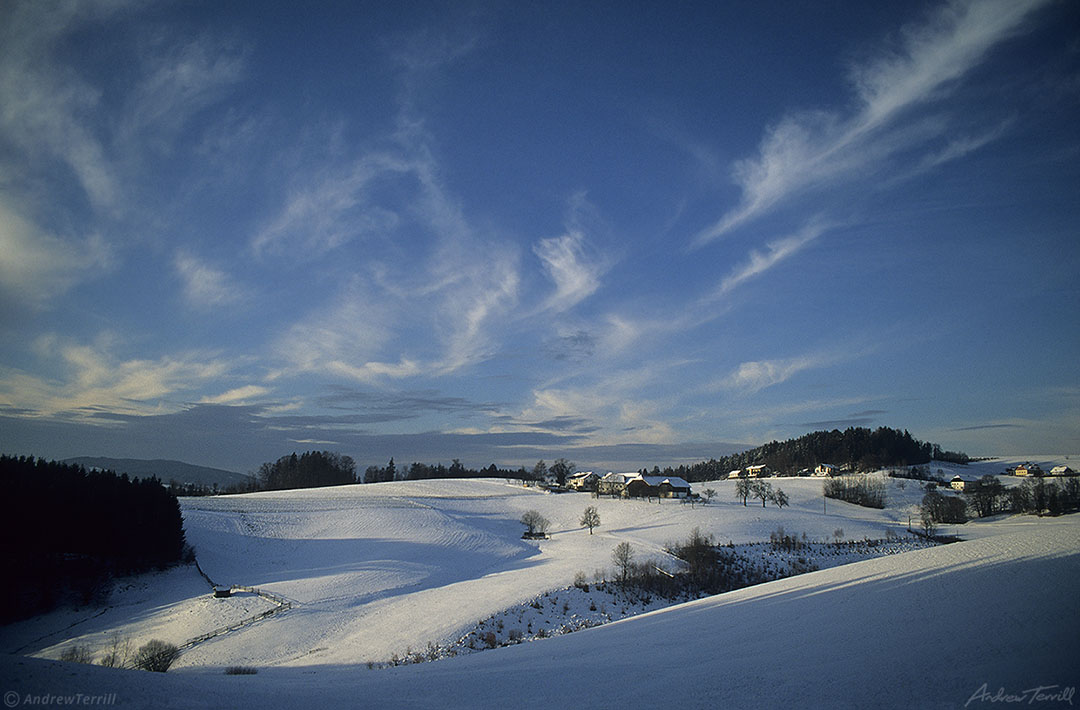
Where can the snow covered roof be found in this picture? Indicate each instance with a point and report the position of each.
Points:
(673, 481)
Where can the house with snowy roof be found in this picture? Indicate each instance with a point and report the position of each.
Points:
(958, 483)
(583, 481)
(657, 487)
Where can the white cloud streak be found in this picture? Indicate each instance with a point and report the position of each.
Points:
(813, 149)
(37, 267)
(575, 277)
(330, 210)
(238, 395)
(776, 252)
(205, 286)
(95, 380)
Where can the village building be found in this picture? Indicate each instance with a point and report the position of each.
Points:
(657, 487)
(613, 484)
(959, 484)
(583, 481)
(634, 485)
(1028, 469)
(737, 473)
(825, 469)
(759, 470)
(1062, 471)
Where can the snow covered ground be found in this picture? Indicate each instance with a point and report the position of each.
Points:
(374, 570)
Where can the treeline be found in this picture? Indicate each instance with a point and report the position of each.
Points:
(860, 448)
(66, 531)
(421, 471)
(1036, 496)
(311, 469)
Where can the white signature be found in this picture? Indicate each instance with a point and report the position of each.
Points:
(1041, 694)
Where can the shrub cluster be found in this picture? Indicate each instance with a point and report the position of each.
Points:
(861, 490)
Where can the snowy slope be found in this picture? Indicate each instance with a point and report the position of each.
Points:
(929, 628)
(376, 570)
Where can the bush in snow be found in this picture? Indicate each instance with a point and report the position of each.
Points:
(536, 524)
(117, 653)
(77, 654)
(156, 656)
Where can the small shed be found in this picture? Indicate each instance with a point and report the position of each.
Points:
(221, 591)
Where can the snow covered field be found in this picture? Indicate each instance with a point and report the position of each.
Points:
(375, 570)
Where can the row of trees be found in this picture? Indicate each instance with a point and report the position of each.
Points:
(861, 490)
(1037, 496)
(311, 469)
(456, 469)
(989, 496)
(64, 531)
(762, 490)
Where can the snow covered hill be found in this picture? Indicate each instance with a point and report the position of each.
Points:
(374, 570)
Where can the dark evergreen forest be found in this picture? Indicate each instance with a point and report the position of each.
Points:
(66, 531)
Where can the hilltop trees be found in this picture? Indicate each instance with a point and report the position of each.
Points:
(309, 470)
(864, 449)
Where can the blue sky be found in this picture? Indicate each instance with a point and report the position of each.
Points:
(621, 233)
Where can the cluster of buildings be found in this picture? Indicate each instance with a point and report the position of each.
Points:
(630, 485)
(1034, 469)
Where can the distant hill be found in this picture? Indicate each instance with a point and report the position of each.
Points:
(163, 469)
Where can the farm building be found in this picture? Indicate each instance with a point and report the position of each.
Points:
(634, 485)
(657, 487)
(825, 469)
(583, 481)
(959, 484)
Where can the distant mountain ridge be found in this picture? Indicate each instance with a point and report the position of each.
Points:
(164, 469)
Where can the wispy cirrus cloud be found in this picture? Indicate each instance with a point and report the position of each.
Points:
(238, 395)
(755, 375)
(575, 276)
(331, 207)
(178, 80)
(43, 102)
(775, 252)
(817, 148)
(37, 267)
(93, 379)
(205, 286)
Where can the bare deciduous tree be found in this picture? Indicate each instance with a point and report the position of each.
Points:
(535, 523)
(590, 518)
(623, 558)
